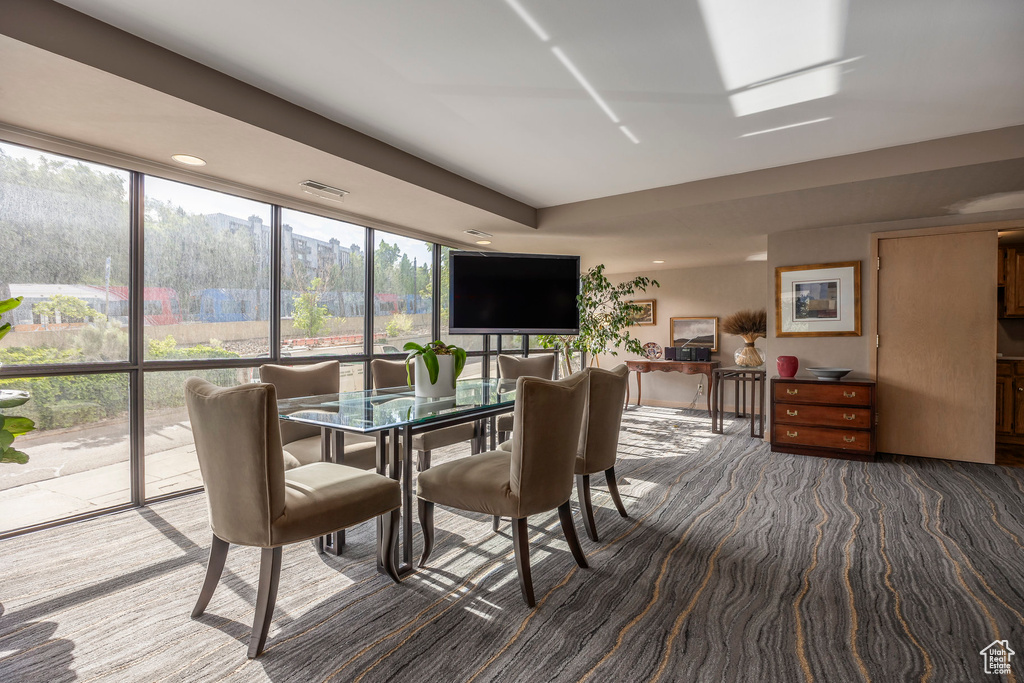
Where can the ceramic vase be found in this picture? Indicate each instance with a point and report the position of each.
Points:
(787, 365)
(445, 385)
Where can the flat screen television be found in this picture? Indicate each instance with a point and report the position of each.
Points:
(493, 293)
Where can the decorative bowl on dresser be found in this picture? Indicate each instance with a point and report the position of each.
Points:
(831, 418)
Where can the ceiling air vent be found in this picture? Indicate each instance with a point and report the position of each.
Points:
(478, 233)
(323, 191)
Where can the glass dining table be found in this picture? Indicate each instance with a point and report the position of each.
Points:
(393, 416)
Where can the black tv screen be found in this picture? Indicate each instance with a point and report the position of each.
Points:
(513, 293)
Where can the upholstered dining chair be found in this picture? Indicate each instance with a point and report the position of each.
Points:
(534, 477)
(302, 442)
(254, 501)
(392, 373)
(599, 441)
(514, 367)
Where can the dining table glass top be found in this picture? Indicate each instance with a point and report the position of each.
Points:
(378, 409)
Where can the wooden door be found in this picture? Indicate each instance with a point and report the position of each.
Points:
(936, 357)
(1014, 280)
(1005, 393)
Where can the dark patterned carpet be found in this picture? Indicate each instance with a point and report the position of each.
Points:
(735, 565)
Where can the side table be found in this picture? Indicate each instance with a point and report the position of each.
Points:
(741, 377)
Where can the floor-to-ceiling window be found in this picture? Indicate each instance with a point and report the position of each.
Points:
(65, 249)
(132, 283)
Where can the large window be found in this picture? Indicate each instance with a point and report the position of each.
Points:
(64, 240)
(207, 275)
(323, 286)
(78, 453)
(402, 296)
(208, 296)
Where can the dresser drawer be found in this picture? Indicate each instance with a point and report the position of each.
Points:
(823, 416)
(823, 437)
(1004, 368)
(810, 392)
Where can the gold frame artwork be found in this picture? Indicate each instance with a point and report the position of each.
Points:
(650, 320)
(826, 287)
(672, 332)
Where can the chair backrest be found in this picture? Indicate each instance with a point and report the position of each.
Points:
(514, 367)
(545, 439)
(302, 380)
(599, 441)
(390, 373)
(238, 443)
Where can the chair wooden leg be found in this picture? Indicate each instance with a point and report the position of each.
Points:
(389, 543)
(424, 461)
(521, 544)
(266, 596)
(214, 568)
(586, 507)
(426, 514)
(496, 523)
(613, 489)
(565, 517)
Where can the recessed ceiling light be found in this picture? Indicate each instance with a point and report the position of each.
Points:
(188, 160)
(483, 241)
(658, 261)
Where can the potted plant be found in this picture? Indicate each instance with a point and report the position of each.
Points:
(606, 310)
(12, 426)
(751, 325)
(437, 366)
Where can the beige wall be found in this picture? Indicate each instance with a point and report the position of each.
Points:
(828, 245)
(718, 291)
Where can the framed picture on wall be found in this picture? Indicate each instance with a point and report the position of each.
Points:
(819, 300)
(649, 313)
(694, 333)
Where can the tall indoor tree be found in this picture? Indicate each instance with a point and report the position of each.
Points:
(606, 312)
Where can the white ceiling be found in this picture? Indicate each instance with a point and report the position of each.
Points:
(470, 86)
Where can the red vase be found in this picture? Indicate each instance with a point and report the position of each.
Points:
(788, 365)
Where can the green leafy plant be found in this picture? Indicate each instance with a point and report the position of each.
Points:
(430, 352)
(606, 311)
(12, 426)
(310, 316)
(66, 307)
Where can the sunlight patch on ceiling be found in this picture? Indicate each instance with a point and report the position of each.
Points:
(777, 53)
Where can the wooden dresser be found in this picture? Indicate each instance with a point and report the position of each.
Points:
(821, 417)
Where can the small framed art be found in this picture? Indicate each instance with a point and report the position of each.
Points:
(819, 300)
(694, 333)
(649, 313)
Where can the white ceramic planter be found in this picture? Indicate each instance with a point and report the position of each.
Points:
(445, 385)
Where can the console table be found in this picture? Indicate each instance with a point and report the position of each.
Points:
(686, 367)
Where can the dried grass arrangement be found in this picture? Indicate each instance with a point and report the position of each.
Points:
(750, 325)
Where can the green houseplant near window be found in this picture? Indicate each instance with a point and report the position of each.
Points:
(440, 361)
(606, 311)
(12, 426)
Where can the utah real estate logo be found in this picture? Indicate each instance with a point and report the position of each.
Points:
(997, 657)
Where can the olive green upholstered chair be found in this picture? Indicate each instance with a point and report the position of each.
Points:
(535, 476)
(514, 367)
(254, 501)
(600, 439)
(302, 443)
(392, 373)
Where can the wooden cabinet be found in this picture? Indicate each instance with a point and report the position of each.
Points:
(1010, 401)
(1011, 279)
(827, 418)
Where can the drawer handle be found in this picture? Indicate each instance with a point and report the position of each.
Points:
(849, 417)
(791, 434)
(849, 439)
(851, 394)
(792, 392)
(792, 413)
